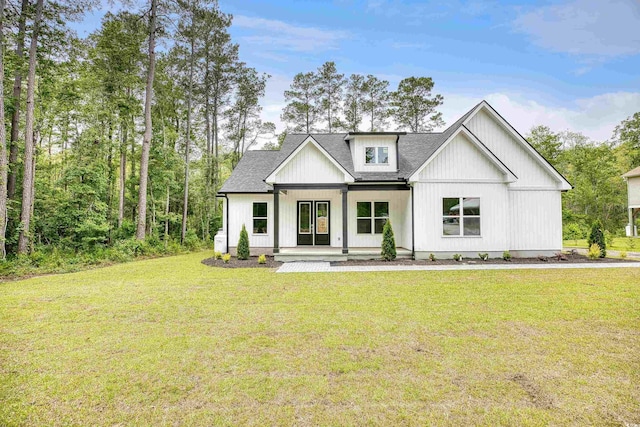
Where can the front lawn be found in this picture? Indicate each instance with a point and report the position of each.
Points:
(173, 342)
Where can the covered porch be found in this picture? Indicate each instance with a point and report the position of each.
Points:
(339, 221)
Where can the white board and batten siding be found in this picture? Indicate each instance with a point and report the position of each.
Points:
(519, 160)
(309, 166)
(522, 216)
(460, 160)
(399, 206)
(241, 212)
(360, 142)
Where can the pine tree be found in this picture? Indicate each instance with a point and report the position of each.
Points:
(388, 242)
(597, 236)
(243, 244)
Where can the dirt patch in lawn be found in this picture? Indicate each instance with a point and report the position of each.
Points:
(538, 397)
(571, 258)
(234, 262)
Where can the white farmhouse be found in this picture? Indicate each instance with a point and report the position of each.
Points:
(479, 186)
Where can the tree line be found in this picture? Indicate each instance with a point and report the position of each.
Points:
(115, 138)
(595, 169)
(327, 101)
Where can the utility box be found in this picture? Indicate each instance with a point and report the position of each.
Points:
(220, 242)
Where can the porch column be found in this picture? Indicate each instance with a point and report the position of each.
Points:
(345, 231)
(276, 219)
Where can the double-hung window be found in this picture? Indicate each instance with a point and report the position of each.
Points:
(461, 216)
(260, 218)
(376, 155)
(372, 216)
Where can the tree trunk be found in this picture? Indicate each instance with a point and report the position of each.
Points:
(166, 220)
(123, 171)
(3, 145)
(28, 178)
(185, 206)
(146, 141)
(17, 89)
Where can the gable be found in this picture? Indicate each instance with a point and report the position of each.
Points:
(461, 160)
(530, 168)
(309, 165)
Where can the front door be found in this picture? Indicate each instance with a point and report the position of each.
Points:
(313, 223)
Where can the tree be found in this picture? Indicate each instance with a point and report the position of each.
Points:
(377, 103)
(627, 134)
(17, 89)
(302, 109)
(354, 103)
(148, 131)
(388, 251)
(28, 180)
(330, 84)
(3, 145)
(243, 244)
(597, 236)
(413, 107)
(547, 143)
(243, 116)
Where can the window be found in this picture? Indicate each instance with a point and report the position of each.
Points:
(376, 155)
(461, 216)
(259, 218)
(372, 216)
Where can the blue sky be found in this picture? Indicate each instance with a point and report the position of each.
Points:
(568, 64)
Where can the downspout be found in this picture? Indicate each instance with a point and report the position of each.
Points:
(226, 220)
(413, 233)
(397, 153)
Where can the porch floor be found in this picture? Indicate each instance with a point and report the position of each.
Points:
(328, 253)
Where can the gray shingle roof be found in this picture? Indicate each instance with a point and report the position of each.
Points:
(413, 150)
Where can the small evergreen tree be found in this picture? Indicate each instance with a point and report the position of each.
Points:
(388, 242)
(243, 244)
(597, 236)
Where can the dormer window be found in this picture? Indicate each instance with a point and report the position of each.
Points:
(376, 155)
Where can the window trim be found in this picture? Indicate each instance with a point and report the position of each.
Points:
(372, 218)
(461, 219)
(253, 218)
(375, 155)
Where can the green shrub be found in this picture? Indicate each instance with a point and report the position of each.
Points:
(388, 250)
(226, 258)
(506, 255)
(594, 251)
(631, 243)
(217, 255)
(597, 236)
(262, 259)
(191, 241)
(573, 231)
(608, 238)
(432, 257)
(484, 256)
(457, 257)
(243, 244)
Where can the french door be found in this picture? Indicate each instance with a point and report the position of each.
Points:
(313, 223)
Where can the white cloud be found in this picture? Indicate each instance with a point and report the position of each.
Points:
(597, 28)
(278, 35)
(595, 117)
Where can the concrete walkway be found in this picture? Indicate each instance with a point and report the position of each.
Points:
(325, 267)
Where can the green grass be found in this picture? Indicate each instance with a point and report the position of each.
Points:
(172, 342)
(619, 244)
